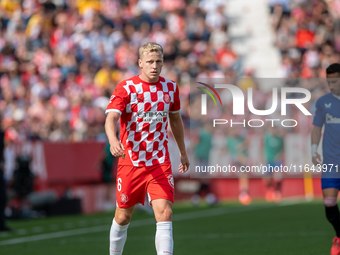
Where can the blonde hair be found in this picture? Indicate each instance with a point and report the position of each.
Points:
(150, 47)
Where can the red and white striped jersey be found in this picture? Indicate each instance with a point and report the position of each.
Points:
(144, 109)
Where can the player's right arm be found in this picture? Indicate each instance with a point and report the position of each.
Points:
(116, 147)
(114, 110)
(316, 136)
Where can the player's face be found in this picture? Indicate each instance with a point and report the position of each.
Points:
(334, 83)
(151, 64)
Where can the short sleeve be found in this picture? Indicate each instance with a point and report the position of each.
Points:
(319, 116)
(118, 100)
(176, 106)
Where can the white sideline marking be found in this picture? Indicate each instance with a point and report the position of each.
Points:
(215, 236)
(137, 223)
(55, 235)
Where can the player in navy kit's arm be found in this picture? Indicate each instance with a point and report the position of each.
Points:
(327, 114)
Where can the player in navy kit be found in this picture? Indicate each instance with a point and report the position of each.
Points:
(328, 114)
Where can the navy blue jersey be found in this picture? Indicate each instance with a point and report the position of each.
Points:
(328, 113)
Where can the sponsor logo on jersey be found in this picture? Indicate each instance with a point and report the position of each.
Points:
(167, 98)
(332, 120)
(171, 181)
(124, 198)
(328, 105)
(152, 116)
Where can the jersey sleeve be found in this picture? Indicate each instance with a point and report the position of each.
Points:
(176, 106)
(118, 100)
(319, 116)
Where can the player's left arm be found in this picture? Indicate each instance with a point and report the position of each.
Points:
(177, 129)
(318, 122)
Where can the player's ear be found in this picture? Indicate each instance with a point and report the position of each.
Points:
(140, 63)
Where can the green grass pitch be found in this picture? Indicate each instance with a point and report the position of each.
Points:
(260, 228)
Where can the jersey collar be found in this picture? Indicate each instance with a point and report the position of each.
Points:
(338, 97)
(148, 83)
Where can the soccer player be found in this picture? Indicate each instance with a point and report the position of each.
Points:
(273, 151)
(144, 105)
(328, 114)
(237, 146)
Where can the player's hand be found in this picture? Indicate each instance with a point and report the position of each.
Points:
(184, 166)
(117, 149)
(317, 159)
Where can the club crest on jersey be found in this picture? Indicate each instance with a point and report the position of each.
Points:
(328, 105)
(166, 98)
(171, 181)
(124, 198)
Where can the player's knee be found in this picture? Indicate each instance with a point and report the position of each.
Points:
(330, 201)
(123, 218)
(165, 214)
(168, 214)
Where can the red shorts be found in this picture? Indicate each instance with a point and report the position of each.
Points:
(133, 183)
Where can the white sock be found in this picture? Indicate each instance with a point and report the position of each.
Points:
(118, 236)
(164, 241)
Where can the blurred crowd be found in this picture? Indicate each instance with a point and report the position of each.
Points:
(60, 60)
(307, 35)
